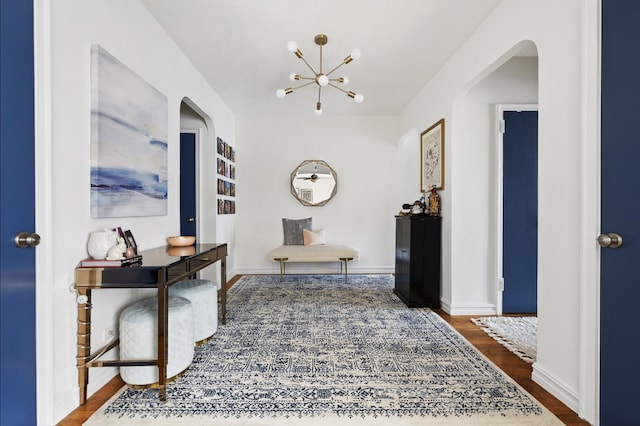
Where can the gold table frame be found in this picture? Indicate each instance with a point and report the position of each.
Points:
(160, 269)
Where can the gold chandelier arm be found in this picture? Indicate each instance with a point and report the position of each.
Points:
(355, 96)
(310, 67)
(339, 65)
(319, 92)
(302, 85)
(339, 88)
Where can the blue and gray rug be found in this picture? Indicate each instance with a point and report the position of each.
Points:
(314, 348)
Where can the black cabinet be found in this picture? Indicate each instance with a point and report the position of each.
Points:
(418, 260)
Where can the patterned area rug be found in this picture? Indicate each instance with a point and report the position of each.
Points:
(518, 334)
(314, 350)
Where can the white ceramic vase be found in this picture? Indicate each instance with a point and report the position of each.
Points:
(100, 242)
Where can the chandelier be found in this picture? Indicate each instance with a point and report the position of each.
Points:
(320, 78)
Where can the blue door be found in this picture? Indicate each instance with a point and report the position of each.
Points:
(188, 184)
(17, 214)
(520, 212)
(620, 267)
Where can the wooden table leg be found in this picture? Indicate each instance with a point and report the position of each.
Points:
(83, 340)
(223, 288)
(163, 335)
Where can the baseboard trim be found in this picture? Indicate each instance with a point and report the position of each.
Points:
(475, 309)
(555, 387)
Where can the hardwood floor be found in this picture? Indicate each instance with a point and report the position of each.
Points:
(82, 413)
(516, 368)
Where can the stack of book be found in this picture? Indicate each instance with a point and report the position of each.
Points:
(104, 263)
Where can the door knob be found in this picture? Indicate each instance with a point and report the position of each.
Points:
(25, 239)
(611, 240)
(191, 219)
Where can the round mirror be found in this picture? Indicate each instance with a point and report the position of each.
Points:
(314, 183)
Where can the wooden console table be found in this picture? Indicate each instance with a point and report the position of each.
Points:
(160, 268)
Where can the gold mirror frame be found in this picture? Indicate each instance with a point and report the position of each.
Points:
(314, 183)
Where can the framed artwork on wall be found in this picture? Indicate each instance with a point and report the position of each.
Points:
(432, 157)
(128, 141)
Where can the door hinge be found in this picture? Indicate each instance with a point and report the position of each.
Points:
(501, 284)
(501, 126)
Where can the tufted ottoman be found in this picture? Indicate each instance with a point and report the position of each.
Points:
(203, 295)
(138, 339)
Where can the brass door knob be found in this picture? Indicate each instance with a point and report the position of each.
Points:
(611, 240)
(25, 239)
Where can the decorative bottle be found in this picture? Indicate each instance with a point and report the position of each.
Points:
(434, 203)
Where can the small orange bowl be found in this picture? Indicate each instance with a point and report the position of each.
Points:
(181, 241)
(181, 251)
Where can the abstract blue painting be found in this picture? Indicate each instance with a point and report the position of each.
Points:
(128, 141)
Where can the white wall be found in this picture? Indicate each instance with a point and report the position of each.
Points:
(555, 28)
(126, 30)
(362, 151)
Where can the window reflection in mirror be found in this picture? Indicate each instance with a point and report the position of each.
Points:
(314, 183)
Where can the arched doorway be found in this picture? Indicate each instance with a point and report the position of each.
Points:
(477, 163)
(198, 190)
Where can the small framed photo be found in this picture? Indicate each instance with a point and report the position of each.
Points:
(220, 146)
(306, 194)
(131, 242)
(223, 167)
(432, 157)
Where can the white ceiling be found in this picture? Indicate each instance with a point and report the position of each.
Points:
(240, 47)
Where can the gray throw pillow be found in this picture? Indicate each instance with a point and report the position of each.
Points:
(293, 230)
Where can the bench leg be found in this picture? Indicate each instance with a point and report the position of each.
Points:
(283, 267)
(346, 271)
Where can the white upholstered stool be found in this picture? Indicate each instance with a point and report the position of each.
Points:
(139, 334)
(203, 295)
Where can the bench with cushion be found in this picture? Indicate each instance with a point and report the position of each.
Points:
(319, 253)
(303, 245)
